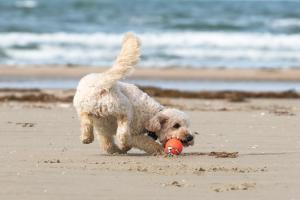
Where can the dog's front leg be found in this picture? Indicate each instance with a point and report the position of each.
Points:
(86, 126)
(123, 133)
(147, 144)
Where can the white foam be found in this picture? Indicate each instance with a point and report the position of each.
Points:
(9, 39)
(221, 39)
(26, 4)
(286, 23)
(159, 49)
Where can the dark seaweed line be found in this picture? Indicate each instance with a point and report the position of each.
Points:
(36, 95)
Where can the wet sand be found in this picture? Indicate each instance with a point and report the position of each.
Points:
(37, 72)
(42, 157)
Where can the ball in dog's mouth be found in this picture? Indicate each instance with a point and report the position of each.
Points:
(173, 146)
(188, 141)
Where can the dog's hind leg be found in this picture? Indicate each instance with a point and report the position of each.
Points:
(107, 144)
(106, 129)
(123, 132)
(86, 125)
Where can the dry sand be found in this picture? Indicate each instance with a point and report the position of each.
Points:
(42, 158)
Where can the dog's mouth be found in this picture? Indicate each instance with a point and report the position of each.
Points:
(188, 140)
(187, 143)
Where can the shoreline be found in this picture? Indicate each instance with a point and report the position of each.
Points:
(57, 71)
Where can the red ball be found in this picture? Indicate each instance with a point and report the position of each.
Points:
(173, 146)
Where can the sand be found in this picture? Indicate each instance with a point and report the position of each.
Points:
(75, 72)
(42, 157)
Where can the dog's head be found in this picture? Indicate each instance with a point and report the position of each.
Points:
(171, 123)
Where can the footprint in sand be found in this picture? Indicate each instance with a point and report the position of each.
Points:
(25, 124)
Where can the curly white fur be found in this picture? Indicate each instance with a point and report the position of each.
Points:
(114, 108)
(125, 62)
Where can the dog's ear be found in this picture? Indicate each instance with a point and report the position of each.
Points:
(156, 122)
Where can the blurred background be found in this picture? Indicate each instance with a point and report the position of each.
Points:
(195, 34)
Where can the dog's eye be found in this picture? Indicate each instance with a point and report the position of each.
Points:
(176, 125)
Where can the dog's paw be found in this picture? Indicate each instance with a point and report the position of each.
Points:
(124, 149)
(87, 135)
(115, 151)
(158, 152)
(87, 139)
(119, 153)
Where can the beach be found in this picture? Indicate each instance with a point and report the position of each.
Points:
(42, 157)
(232, 66)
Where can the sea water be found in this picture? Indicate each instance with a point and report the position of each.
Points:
(177, 33)
(174, 33)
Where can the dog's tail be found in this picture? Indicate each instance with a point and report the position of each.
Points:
(125, 62)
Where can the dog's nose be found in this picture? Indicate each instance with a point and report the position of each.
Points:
(189, 138)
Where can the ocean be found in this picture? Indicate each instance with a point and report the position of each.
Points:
(174, 33)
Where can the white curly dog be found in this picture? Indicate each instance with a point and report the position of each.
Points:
(122, 112)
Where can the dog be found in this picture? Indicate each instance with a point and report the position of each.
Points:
(121, 112)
